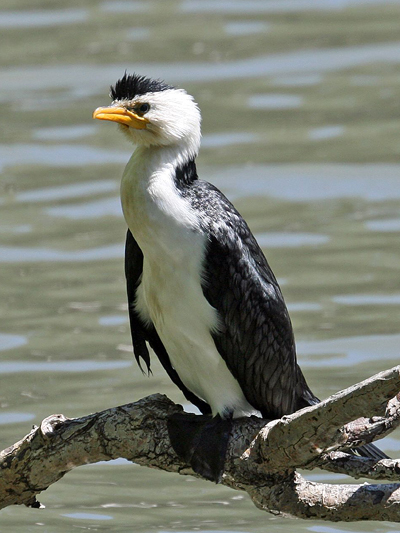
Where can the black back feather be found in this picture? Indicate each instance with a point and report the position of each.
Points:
(131, 85)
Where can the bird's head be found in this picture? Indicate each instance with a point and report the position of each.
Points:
(153, 113)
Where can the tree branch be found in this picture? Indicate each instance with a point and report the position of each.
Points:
(304, 499)
(356, 467)
(296, 440)
(261, 458)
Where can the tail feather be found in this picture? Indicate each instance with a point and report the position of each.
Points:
(371, 451)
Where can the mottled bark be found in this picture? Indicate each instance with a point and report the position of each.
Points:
(262, 456)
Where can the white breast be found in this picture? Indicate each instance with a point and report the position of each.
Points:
(170, 296)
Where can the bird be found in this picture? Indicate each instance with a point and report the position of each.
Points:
(200, 290)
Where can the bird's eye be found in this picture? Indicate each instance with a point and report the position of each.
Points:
(143, 108)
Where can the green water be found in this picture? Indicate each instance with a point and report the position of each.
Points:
(301, 108)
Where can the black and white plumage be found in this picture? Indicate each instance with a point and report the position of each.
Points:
(200, 290)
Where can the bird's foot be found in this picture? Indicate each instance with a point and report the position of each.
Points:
(201, 441)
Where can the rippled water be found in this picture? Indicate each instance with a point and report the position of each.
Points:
(300, 103)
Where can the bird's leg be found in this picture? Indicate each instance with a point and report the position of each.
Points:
(201, 441)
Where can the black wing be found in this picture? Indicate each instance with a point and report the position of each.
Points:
(133, 273)
(255, 337)
(141, 332)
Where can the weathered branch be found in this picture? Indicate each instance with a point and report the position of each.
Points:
(356, 467)
(363, 430)
(261, 459)
(296, 440)
(305, 499)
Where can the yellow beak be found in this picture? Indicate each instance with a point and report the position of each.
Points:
(122, 116)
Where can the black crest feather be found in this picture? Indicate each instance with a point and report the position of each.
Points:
(131, 85)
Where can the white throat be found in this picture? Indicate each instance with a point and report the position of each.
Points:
(150, 201)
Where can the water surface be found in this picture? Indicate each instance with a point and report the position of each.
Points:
(300, 105)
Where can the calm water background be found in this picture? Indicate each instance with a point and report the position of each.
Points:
(301, 108)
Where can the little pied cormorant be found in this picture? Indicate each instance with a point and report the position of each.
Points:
(200, 290)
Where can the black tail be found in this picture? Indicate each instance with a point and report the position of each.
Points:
(371, 451)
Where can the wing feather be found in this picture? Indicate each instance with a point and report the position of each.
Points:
(133, 274)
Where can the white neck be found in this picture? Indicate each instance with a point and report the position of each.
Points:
(157, 158)
(149, 197)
